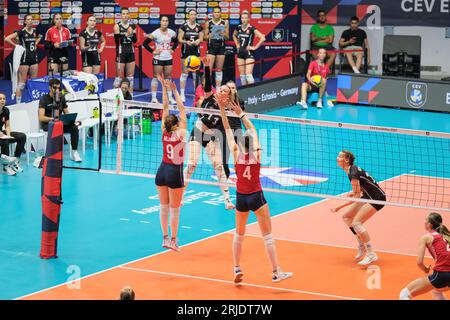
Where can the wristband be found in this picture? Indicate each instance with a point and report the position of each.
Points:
(243, 115)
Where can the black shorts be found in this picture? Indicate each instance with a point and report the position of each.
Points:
(440, 279)
(29, 60)
(216, 48)
(313, 88)
(205, 138)
(90, 59)
(170, 175)
(245, 54)
(57, 54)
(250, 202)
(126, 57)
(162, 63)
(190, 51)
(378, 196)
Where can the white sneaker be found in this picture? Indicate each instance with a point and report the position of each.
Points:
(319, 104)
(6, 159)
(174, 245)
(154, 100)
(368, 259)
(8, 170)
(355, 70)
(361, 252)
(330, 104)
(166, 242)
(280, 275)
(16, 166)
(238, 275)
(75, 156)
(302, 105)
(229, 205)
(183, 98)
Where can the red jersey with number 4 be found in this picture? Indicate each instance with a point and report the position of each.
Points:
(173, 148)
(54, 35)
(440, 251)
(247, 172)
(316, 69)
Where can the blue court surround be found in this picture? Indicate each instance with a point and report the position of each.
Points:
(107, 220)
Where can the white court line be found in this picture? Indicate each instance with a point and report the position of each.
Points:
(144, 221)
(123, 219)
(333, 245)
(207, 230)
(146, 257)
(241, 284)
(188, 244)
(186, 227)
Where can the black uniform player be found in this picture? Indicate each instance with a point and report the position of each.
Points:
(208, 133)
(125, 36)
(29, 39)
(92, 44)
(365, 187)
(243, 38)
(217, 31)
(190, 35)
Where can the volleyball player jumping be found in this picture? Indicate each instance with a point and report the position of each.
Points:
(249, 195)
(169, 178)
(29, 39)
(208, 133)
(437, 241)
(365, 187)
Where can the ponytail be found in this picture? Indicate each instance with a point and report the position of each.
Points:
(435, 219)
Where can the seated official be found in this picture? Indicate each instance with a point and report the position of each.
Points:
(316, 80)
(48, 109)
(355, 39)
(10, 165)
(125, 87)
(322, 36)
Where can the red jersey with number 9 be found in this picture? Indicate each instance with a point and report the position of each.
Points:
(247, 172)
(440, 251)
(173, 148)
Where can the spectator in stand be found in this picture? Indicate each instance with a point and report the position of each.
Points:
(355, 39)
(11, 165)
(322, 37)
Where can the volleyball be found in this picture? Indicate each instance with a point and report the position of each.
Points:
(317, 80)
(192, 63)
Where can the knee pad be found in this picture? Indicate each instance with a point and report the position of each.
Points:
(117, 81)
(154, 82)
(131, 79)
(219, 76)
(21, 86)
(243, 79)
(268, 239)
(359, 228)
(250, 78)
(184, 77)
(238, 238)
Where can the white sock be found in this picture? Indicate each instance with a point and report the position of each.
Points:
(269, 242)
(174, 221)
(18, 99)
(169, 94)
(243, 79)
(405, 294)
(153, 95)
(164, 218)
(368, 246)
(237, 249)
(182, 92)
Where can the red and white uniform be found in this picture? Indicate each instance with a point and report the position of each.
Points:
(440, 251)
(173, 148)
(321, 70)
(247, 172)
(55, 35)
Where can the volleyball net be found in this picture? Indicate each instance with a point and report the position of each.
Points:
(298, 155)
